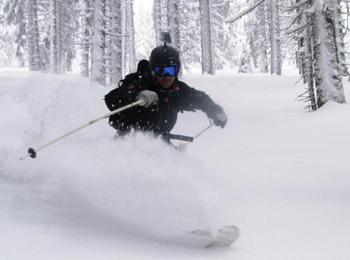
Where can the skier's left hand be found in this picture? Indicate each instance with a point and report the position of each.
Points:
(219, 118)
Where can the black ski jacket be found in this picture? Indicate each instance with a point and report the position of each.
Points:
(161, 117)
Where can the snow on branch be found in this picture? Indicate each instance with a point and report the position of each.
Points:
(294, 21)
(235, 18)
(299, 28)
(298, 5)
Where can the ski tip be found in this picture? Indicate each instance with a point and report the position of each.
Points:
(233, 228)
(230, 229)
(32, 153)
(226, 236)
(208, 238)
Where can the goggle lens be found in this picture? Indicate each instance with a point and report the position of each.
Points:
(168, 71)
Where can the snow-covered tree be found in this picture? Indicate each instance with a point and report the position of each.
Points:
(116, 71)
(273, 7)
(62, 29)
(220, 36)
(263, 29)
(256, 27)
(159, 18)
(244, 65)
(56, 37)
(15, 14)
(128, 49)
(86, 24)
(190, 35)
(33, 38)
(7, 38)
(320, 52)
(261, 40)
(98, 66)
(327, 50)
(206, 37)
(173, 17)
(304, 53)
(107, 42)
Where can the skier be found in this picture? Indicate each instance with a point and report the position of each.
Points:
(165, 97)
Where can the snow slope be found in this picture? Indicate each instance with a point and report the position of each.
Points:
(277, 171)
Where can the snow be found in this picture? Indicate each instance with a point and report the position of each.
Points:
(277, 171)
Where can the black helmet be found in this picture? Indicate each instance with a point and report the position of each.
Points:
(163, 56)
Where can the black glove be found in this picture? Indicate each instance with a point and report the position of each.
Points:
(219, 118)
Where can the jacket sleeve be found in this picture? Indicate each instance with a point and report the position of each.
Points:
(121, 96)
(193, 99)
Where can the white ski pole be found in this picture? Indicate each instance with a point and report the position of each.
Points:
(203, 131)
(182, 146)
(32, 152)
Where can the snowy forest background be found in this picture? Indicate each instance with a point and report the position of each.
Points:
(104, 39)
(276, 171)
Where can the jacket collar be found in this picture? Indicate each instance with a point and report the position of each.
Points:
(168, 91)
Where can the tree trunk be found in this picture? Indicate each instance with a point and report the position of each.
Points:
(275, 41)
(206, 39)
(308, 63)
(157, 18)
(130, 35)
(33, 39)
(174, 22)
(117, 58)
(87, 18)
(261, 15)
(327, 70)
(98, 46)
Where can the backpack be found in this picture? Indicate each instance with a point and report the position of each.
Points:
(142, 73)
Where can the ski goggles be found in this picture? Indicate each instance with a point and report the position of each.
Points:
(167, 71)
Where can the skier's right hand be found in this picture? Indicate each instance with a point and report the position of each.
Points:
(148, 97)
(219, 118)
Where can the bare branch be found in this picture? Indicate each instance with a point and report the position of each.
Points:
(234, 19)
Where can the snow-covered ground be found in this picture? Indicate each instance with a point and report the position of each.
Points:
(278, 172)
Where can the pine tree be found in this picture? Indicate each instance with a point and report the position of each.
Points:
(33, 38)
(86, 21)
(327, 55)
(128, 49)
(159, 18)
(263, 30)
(116, 44)
(262, 41)
(219, 12)
(173, 17)
(190, 35)
(98, 72)
(319, 55)
(275, 36)
(7, 39)
(106, 64)
(62, 29)
(206, 37)
(15, 14)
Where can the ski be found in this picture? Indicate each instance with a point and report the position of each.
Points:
(222, 237)
(225, 236)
